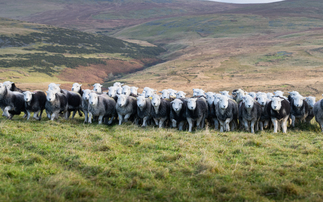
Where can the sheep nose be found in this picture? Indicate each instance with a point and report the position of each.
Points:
(249, 106)
(176, 109)
(263, 103)
(72, 89)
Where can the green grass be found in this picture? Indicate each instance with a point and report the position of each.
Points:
(72, 161)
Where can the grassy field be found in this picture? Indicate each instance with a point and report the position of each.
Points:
(71, 161)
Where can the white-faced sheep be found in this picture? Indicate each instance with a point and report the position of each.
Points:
(56, 103)
(160, 110)
(198, 92)
(126, 108)
(113, 93)
(12, 102)
(118, 84)
(249, 113)
(310, 101)
(318, 113)
(172, 93)
(149, 92)
(134, 91)
(144, 110)
(178, 113)
(227, 113)
(279, 111)
(35, 102)
(264, 118)
(299, 109)
(180, 94)
(12, 86)
(211, 117)
(77, 88)
(125, 90)
(97, 88)
(165, 94)
(85, 104)
(101, 106)
(196, 110)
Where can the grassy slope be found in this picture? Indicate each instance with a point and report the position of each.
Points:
(67, 160)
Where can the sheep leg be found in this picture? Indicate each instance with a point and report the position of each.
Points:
(126, 117)
(111, 120)
(85, 117)
(6, 112)
(261, 124)
(221, 126)
(100, 119)
(252, 126)
(144, 121)
(266, 123)
(74, 112)
(284, 125)
(275, 124)
(48, 114)
(199, 123)
(190, 124)
(52, 117)
(174, 122)
(293, 120)
(120, 119)
(156, 121)
(180, 125)
(35, 115)
(161, 122)
(245, 124)
(227, 124)
(216, 124)
(90, 118)
(28, 114)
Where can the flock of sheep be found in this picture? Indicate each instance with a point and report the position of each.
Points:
(241, 110)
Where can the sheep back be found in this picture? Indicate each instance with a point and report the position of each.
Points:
(200, 110)
(163, 110)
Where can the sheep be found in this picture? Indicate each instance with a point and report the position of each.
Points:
(279, 111)
(149, 92)
(291, 95)
(56, 103)
(97, 88)
(119, 90)
(144, 109)
(85, 104)
(198, 92)
(117, 84)
(270, 95)
(113, 93)
(227, 112)
(310, 101)
(178, 113)
(134, 91)
(34, 102)
(279, 93)
(77, 88)
(12, 102)
(126, 108)
(180, 94)
(125, 90)
(54, 87)
(101, 106)
(12, 86)
(318, 113)
(165, 94)
(160, 111)
(250, 111)
(238, 95)
(253, 95)
(264, 118)
(211, 117)
(299, 109)
(196, 110)
(172, 93)
(226, 93)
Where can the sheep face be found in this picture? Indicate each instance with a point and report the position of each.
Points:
(279, 93)
(298, 101)
(50, 96)
(122, 100)
(155, 101)
(252, 94)
(276, 103)
(226, 93)
(180, 94)
(150, 92)
(86, 94)
(216, 98)
(119, 91)
(112, 91)
(293, 93)
(248, 102)
(198, 92)
(76, 87)
(125, 90)
(177, 105)
(270, 95)
(8, 84)
(2, 88)
(141, 101)
(134, 90)
(117, 84)
(310, 101)
(172, 93)
(28, 96)
(239, 95)
(93, 99)
(165, 94)
(54, 87)
(223, 102)
(209, 97)
(97, 88)
(191, 103)
(262, 99)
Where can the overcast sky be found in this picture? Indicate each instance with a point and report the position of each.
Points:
(247, 1)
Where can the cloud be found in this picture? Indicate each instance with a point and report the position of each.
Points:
(247, 1)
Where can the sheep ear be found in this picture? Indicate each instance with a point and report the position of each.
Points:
(80, 84)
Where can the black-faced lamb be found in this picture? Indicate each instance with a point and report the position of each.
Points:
(12, 102)
(160, 110)
(249, 113)
(35, 102)
(126, 108)
(56, 103)
(227, 113)
(101, 106)
(299, 109)
(279, 111)
(144, 108)
(178, 113)
(196, 110)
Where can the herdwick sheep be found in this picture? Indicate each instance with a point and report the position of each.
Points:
(165, 94)
(113, 93)
(117, 84)
(226, 111)
(226, 93)
(279, 93)
(160, 111)
(134, 91)
(126, 108)
(74, 102)
(178, 113)
(211, 117)
(12, 86)
(77, 88)
(291, 95)
(180, 94)
(196, 110)
(150, 92)
(172, 93)
(270, 95)
(299, 109)
(34, 102)
(279, 111)
(238, 95)
(318, 112)
(264, 118)
(144, 109)
(253, 95)
(101, 106)
(56, 103)
(125, 90)
(97, 88)
(250, 112)
(310, 101)
(198, 92)
(12, 102)
(85, 104)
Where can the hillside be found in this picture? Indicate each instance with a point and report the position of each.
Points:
(33, 53)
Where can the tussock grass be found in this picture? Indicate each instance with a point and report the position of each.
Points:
(72, 161)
